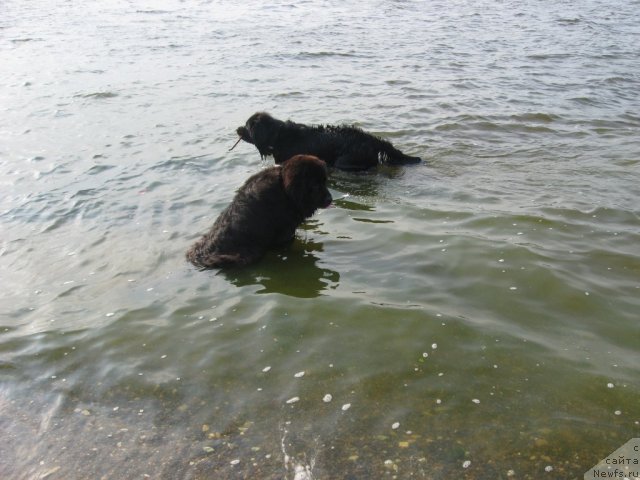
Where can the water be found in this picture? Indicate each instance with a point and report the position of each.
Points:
(472, 317)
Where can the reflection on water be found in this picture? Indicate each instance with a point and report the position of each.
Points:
(294, 272)
(357, 184)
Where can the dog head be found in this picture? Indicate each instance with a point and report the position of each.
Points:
(305, 181)
(261, 130)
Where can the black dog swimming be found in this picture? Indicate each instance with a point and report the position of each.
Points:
(265, 213)
(341, 146)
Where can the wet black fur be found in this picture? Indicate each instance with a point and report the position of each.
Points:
(341, 146)
(265, 213)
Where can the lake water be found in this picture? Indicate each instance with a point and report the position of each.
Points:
(473, 317)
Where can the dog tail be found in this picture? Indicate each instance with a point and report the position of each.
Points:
(403, 160)
(392, 156)
(214, 260)
(204, 260)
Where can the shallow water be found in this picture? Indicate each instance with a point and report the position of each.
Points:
(481, 307)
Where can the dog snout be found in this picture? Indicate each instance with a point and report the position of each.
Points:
(327, 200)
(243, 133)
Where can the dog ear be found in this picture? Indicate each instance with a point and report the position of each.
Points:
(293, 181)
(264, 131)
(303, 177)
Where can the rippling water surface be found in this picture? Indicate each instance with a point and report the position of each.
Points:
(476, 316)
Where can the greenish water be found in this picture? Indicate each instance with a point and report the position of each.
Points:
(476, 316)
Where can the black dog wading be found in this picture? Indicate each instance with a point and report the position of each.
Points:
(265, 213)
(341, 146)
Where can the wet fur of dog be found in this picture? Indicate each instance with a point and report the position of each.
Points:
(342, 146)
(264, 214)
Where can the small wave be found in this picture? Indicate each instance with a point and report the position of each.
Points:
(601, 216)
(569, 21)
(180, 163)
(289, 94)
(153, 12)
(323, 54)
(534, 122)
(25, 40)
(70, 291)
(483, 125)
(96, 169)
(619, 80)
(549, 56)
(585, 101)
(535, 117)
(369, 220)
(97, 95)
(86, 192)
(397, 82)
